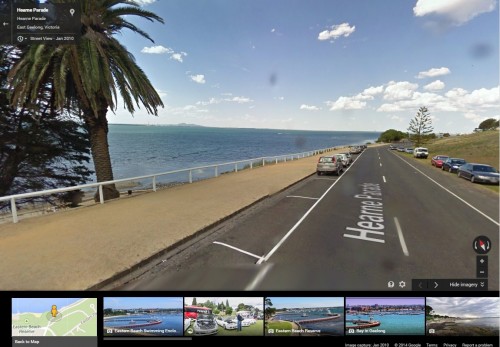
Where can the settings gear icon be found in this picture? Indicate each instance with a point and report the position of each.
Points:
(402, 284)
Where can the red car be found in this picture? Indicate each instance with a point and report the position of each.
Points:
(437, 160)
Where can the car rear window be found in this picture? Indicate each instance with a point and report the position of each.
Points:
(327, 160)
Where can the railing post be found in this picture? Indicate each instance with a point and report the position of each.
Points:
(276, 160)
(154, 183)
(236, 167)
(251, 165)
(190, 176)
(263, 162)
(216, 171)
(101, 195)
(285, 158)
(13, 209)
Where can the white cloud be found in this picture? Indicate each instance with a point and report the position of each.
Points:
(372, 91)
(198, 78)
(434, 72)
(346, 103)
(158, 49)
(337, 31)
(145, 2)
(280, 98)
(399, 90)
(309, 107)
(436, 85)
(211, 101)
(389, 108)
(240, 99)
(273, 30)
(178, 56)
(457, 12)
(483, 97)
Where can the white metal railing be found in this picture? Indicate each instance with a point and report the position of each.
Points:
(251, 162)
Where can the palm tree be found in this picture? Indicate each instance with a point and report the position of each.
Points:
(89, 75)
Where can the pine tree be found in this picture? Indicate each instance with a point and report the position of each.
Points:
(420, 126)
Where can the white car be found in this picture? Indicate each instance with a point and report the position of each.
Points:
(227, 323)
(250, 321)
(420, 152)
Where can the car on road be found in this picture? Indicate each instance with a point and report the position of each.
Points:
(409, 150)
(329, 164)
(226, 323)
(479, 173)
(438, 160)
(392, 147)
(452, 164)
(355, 150)
(401, 149)
(420, 152)
(344, 159)
(349, 156)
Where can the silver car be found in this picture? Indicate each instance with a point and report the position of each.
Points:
(329, 164)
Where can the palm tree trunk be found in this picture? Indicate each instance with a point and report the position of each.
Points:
(98, 131)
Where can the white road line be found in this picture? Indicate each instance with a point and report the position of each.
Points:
(327, 179)
(287, 235)
(260, 276)
(455, 195)
(401, 238)
(380, 164)
(302, 197)
(239, 250)
(383, 177)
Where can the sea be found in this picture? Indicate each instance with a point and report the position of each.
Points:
(329, 327)
(391, 324)
(490, 322)
(138, 150)
(171, 324)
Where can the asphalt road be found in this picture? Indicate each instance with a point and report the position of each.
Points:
(387, 218)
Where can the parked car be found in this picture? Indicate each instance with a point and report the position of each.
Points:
(479, 173)
(401, 149)
(349, 156)
(205, 324)
(355, 150)
(392, 147)
(438, 160)
(452, 164)
(329, 164)
(420, 152)
(409, 150)
(344, 159)
(226, 323)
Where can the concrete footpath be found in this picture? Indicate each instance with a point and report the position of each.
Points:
(83, 247)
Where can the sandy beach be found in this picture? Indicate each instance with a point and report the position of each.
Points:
(455, 327)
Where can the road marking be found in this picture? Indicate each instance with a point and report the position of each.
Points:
(287, 235)
(327, 179)
(239, 250)
(401, 238)
(380, 164)
(383, 177)
(260, 276)
(302, 197)
(455, 195)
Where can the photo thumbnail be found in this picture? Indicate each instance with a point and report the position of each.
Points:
(304, 316)
(141, 316)
(385, 316)
(223, 316)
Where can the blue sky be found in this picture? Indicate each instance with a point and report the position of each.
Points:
(322, 65)
(465, 307)
(284, 302)
(385, 301)
(150, 302)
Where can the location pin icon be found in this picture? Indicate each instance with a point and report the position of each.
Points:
(72, 11)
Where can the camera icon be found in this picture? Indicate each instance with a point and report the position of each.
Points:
(270, 331)
(351, 331)
(109, 331)
(432, 331)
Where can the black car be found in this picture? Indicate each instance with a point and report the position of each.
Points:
(452, 164)
(479, 173)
